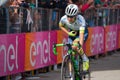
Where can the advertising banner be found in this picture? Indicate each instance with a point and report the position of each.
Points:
(95, 41)
(111, 38)
(118, 26)
(61, 38)
(39, 49)
(29, 51)
(12, 49)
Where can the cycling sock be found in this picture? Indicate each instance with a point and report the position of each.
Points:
(84, 57)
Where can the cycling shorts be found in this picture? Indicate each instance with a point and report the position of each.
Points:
(71, 39)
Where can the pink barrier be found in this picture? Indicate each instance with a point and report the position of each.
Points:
(39, 50)
(23, 52)
(12, 49)
(118, 35)
(111, 38)
(95, 41)
(61, 38)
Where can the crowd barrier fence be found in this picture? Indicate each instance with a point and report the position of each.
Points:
(22, 20)
(29, 51)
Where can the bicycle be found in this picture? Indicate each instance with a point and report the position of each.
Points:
(71, 68)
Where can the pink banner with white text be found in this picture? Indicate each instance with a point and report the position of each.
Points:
(12, 49)
(95, 42)
(39, 49)
(111, 37)
(62, 37)
(30, 51)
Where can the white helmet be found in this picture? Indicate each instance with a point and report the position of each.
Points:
(71, 10)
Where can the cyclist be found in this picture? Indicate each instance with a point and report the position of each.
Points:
(73, 24)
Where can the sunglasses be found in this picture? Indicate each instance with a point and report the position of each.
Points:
(70, 16)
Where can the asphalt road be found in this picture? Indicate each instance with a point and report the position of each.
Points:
(103, 68)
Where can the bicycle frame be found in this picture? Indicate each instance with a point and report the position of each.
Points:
(71, 55)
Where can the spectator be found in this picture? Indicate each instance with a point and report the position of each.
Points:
(32, 4)
(62, 4)
(82, 7)
(15, 3)
(101, 3)
(42, 3)
(15, 6)
(85, 6)
(23, 4)
(3, 20)
(51, 4)
(36, 23)
(25, 12)
(57, 3)
(15, 23)
(114, 3)
(29, 20)
(105, 3)
(97, 3)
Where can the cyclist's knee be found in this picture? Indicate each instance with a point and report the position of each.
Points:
(74, 48)
(75, 45)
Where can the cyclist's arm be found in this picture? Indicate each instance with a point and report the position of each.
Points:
(81, 33)
(82, 30)
(63, 28)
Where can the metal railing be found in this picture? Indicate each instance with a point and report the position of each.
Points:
(102, 16)
(19, 20)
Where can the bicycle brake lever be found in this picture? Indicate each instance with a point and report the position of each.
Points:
(54, 49)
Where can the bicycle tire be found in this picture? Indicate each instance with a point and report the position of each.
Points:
(67, 71)
(87, 77)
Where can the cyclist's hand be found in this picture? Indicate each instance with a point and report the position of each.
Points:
(54, 50)
(72, 33)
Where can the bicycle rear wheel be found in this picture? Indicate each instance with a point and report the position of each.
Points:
(80, 75)
(67, 69)
(83, 75)
(87, 76)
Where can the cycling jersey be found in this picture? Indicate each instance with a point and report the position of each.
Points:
(77, 25)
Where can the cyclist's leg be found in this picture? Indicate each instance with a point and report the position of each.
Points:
(75, 62)
(70, 41)
(85, 60)
(82, 54)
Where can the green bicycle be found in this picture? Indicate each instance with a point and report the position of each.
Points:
(71, 68)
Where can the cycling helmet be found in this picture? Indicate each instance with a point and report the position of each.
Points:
(71, 10)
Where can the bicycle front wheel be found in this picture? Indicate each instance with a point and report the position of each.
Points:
(67, 69)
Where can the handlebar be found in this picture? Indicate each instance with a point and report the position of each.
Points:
(54, 47)
(62, 44)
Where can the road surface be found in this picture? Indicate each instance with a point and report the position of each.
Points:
(103, 68)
